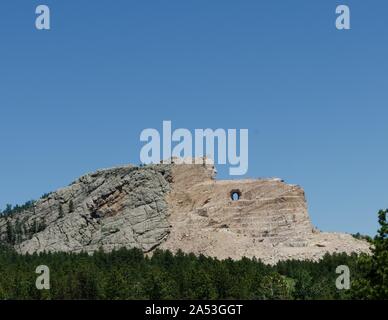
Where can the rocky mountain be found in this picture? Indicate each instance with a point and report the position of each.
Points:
(175, 206)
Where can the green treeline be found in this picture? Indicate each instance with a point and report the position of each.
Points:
(11, 210)
(18, 231)
(129, 274)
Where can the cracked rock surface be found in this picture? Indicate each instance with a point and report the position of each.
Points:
(269, 221)
(108, 209)
(176, 206)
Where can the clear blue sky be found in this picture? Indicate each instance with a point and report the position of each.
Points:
(315, 99)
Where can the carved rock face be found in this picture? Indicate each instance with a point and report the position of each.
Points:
(269, 220)
(177, 206)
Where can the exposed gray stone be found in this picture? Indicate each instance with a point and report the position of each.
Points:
(176, 207)
(113, 208)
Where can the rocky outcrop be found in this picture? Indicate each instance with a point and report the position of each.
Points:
(114, 208)
(269, 220)
(176, 206)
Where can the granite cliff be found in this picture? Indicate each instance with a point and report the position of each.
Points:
(175, 206)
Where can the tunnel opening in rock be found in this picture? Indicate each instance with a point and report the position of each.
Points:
(235, 195)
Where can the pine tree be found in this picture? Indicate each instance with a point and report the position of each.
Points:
(379, 272)
(71, 206)
(8, 209)
(374, 283)
(10, 233)
(35, 227)
(18, 231)
(60, 211)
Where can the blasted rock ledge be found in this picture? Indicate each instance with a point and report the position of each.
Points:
(178, 206)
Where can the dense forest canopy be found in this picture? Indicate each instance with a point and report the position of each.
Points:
(129, 274)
